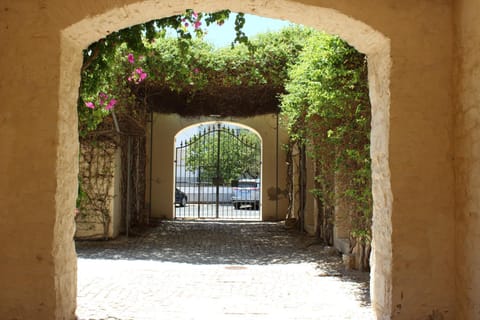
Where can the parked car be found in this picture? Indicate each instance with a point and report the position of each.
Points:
(180, 198)
(246, 194)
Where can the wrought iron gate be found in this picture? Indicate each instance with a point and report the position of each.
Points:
(217, 174)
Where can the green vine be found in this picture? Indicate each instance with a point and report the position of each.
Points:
(327, 108)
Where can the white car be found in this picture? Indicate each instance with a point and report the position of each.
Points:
(247, 194)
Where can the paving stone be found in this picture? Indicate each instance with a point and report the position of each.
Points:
(217, 270)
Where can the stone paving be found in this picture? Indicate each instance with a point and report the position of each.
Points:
(217, 270)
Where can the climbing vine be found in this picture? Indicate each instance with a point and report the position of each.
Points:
(97, 165)
(327, 109)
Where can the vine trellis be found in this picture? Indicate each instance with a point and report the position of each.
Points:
(97, 167)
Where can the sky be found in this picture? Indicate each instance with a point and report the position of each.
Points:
(185, 134)
(222, 36)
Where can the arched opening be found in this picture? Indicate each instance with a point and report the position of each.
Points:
(365, 39)
(165, 127)
(218, 172)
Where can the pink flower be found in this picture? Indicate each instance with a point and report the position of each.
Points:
(142, 75)
(197, 24)
(137, 76)
(195, 15)
(90, 105)
(102, 96)
(131, 58)
(196, 70)
(111, 104)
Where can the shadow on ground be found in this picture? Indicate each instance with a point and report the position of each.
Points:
(231, 243)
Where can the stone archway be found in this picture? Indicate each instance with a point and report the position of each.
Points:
(375, 45)
(411, 156)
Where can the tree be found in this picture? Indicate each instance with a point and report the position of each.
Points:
(237, 155)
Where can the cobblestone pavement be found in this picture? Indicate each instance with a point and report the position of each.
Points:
(216, 270)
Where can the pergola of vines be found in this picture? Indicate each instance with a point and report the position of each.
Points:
(183, 76)
(190, 78)
(198, 80)
(231, 101)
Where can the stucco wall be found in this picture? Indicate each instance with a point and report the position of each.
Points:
(165, 127)
(100, 187)
(467, 158)
(409, 47)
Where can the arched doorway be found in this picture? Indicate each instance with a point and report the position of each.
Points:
(367, 40)
(273, 173)
(414, 255)
(377, 48)
(218, 172)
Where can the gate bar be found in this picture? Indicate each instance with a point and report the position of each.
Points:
(218, 172)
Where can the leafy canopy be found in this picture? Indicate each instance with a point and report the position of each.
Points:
(99, 74)
(129, 76)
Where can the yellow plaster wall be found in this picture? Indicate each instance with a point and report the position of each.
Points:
(409, 46)
(467, 158)
(90, 225)
(166, 127)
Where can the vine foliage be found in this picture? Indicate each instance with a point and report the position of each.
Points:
(326, 108)
(97, 167)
